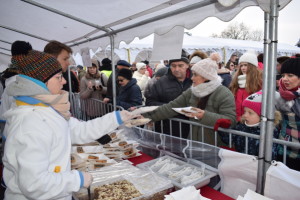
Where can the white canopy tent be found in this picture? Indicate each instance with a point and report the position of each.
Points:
(80, 23)
(225, 47)
(94, 23)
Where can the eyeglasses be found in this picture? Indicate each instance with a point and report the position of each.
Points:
(120, 80)
(60, 77)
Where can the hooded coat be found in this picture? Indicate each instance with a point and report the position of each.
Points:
(38, 146)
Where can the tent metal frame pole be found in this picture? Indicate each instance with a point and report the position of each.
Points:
(5, 49)
(260, 168)
(114, 82)
(5, 54)
(24, 33)
(70, 84)
(5, 42)
(108, 31)
(166, 15)
(272, 84)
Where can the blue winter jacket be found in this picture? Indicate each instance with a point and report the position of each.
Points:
(130, 95)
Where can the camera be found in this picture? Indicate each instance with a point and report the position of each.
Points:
(94, 87)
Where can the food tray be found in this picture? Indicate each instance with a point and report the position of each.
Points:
(180, 166)
(150, 185)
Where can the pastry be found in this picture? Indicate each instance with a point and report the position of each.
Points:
(80, 150)
(123, 143)
(101, 161)
(93, 157)
(120, 190)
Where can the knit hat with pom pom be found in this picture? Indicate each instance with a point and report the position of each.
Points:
(207, 68)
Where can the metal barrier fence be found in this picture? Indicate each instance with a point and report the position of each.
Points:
(86, 109)
(229, 132)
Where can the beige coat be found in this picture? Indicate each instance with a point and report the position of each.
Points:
(89, 97)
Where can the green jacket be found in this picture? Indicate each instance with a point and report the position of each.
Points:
(220, 105)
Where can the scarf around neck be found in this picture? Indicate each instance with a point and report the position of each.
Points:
(242, 81)
(59, 102)
(253, 125)
(205, 89)
(286, 94)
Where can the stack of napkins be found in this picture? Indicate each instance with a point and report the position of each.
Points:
(186, 193)
(251, 195)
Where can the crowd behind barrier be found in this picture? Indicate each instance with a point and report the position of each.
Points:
(78, 110)
(81, 108)
(157, 144)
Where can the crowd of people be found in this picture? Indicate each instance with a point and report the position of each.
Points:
(39, 128)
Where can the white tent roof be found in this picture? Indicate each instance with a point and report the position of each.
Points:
(196, 42)
(224, 46)
(21, 20)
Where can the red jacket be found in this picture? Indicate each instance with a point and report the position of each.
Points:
(240, 96)
(149, 70)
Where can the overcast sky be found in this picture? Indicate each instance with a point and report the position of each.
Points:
(288, 23)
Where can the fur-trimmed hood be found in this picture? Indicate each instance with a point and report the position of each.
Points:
(93, 76)
(200, 54)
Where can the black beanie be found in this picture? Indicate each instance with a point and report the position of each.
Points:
(291, 66)
(126, 73)
(20, 48)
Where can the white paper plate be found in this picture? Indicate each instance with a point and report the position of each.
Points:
(142, 110)
(137, 122)
(184, 109)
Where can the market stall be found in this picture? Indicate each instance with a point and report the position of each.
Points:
(124, 22)
(154, 173)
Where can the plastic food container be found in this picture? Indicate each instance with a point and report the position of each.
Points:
(179, 172)
(150, 185)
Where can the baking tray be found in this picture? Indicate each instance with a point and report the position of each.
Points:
(208, 174)
(150, 185)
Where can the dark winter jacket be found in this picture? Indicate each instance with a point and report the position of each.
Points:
(166, 89)
(130, 95)
(74, 82)
(226, 79)
(253, 144)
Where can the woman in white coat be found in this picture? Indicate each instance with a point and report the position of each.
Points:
(40, 132)
(142, 76)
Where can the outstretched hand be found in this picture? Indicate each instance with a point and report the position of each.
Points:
(198, 114)
(126, 116)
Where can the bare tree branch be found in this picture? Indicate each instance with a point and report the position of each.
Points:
(240, 31)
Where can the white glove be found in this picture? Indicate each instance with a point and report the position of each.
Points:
(87, 179)
(125, 115)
